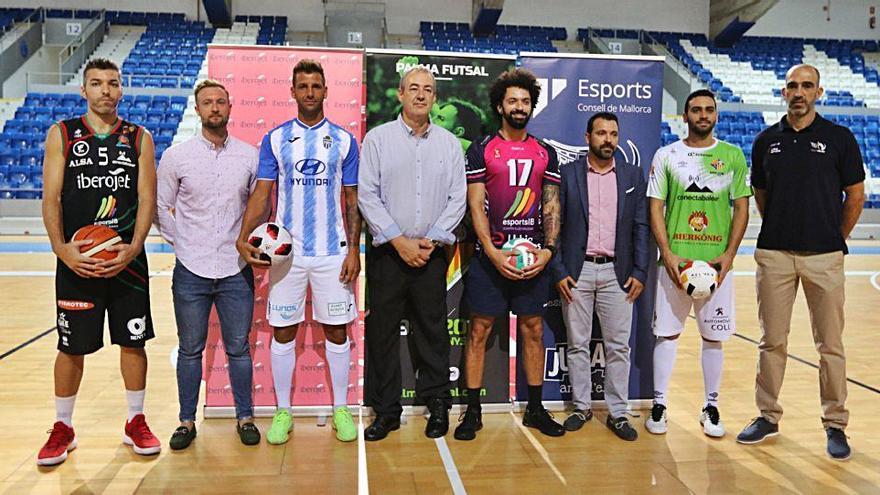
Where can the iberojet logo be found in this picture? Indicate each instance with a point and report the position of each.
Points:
(107, 208)
(521, 207)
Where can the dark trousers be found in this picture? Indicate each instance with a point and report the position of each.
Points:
(398, 290)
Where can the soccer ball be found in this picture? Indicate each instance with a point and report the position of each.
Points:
(273, 241)
(523, 256)
(698, 279)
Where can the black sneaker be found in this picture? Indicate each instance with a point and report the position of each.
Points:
(543, 421)
(470, 422)
(182, 437)
(838, 448)
(576, 420)
(757, 431)
(248, 433)
(621, 427)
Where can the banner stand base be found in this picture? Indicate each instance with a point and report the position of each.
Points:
(321, 413)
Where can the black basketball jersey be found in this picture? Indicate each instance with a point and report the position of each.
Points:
(100, 176)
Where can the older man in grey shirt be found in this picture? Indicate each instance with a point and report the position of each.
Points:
(412, 193)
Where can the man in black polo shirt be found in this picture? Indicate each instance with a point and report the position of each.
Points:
(802, 167)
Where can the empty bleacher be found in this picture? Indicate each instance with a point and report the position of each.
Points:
(507, 39)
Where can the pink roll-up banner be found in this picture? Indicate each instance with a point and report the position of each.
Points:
(258, 79)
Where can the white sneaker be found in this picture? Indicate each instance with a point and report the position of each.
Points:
(656, 421)
(710, 420)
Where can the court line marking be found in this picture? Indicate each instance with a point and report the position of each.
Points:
(874, 280)
(540, 448)
(363, 479)
(27, 342)
(51, 273)
(449, 464)
(813, 365)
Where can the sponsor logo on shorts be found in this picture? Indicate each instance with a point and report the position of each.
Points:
(338, 308)
(63, 325)
(137, 327)
(71, 305)
(285, 311)
(718, 323)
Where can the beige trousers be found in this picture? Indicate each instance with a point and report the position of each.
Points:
(778, 276)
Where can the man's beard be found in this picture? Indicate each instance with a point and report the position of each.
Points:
(517, 124)
(604, 154)
(693, 129)
(218, 125)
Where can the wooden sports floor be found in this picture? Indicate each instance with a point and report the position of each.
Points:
(505, 458)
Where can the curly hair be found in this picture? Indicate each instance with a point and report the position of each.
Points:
(514, 78)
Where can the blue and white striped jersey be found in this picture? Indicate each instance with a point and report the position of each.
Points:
(311, 165)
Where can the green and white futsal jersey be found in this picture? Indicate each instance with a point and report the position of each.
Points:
(698, 185)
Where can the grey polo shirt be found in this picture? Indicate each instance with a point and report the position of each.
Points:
(411, 185)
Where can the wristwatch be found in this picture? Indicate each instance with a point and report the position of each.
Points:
(436, 243)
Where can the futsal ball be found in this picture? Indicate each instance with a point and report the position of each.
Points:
(698, 279)
(273, 241)
(522, 257)
(102, 237)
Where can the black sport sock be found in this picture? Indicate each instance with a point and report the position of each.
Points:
(535, 397)
(473, 399)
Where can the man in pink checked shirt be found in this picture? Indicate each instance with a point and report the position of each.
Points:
(204, 184)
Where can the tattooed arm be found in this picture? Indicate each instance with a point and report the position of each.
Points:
(351, 267)
(551, 220)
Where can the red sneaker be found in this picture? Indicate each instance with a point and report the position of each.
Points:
(139, 436)
(61, 441)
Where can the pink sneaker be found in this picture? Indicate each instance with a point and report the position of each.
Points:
(139, 436)
(61, 440)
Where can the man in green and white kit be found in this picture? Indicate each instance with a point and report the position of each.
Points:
(696, 179)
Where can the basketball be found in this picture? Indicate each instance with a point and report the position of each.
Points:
(102, 237)
(273, 241)
(523, 257)
(698, 279)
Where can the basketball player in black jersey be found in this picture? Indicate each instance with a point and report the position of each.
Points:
(99, 170)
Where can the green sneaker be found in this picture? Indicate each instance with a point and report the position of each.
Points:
(343, 423)
(279, 432)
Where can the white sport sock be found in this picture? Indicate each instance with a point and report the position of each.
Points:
(713, 361)
(64, 409)
(664, 360)
(283, 364)
(338, 356)
(135, 399)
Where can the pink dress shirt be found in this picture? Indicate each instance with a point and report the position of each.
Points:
(602, 201)
(208, 188)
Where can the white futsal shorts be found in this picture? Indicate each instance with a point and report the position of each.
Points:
(332, 301)
(716, 317)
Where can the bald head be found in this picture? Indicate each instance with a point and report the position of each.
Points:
(801, 92)
(802, 68)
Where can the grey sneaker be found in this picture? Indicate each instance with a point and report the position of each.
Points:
(838, 449)
(575, 421)
(621, 427)
(757, 431)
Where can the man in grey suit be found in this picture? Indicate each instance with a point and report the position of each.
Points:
(602, 264)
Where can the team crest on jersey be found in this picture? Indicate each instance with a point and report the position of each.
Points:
(78, 133)
(497, 153)
(328, 141)
(717, 165)
(122, 142)
(698, 221)
(81, 148)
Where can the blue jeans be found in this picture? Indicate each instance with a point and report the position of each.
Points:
(193, 298)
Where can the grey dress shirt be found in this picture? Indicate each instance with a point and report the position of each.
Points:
(411, 185)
